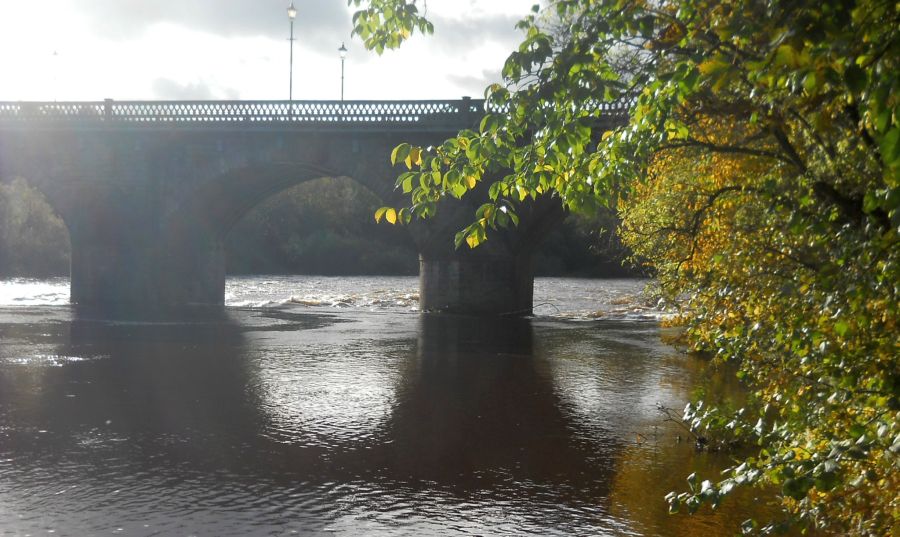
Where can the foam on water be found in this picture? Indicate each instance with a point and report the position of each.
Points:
(48, 360)
(34, 292)
(369, 293)
(568, 298)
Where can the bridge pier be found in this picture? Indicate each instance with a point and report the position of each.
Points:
(195, 276)
(126, 263)
(471, 282)
(106, 273)
(497, 277)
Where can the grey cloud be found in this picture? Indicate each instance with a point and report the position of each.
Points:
(165, 88)
(476, 84)
(124, 19)
(453, 35)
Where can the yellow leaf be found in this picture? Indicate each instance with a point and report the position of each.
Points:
(391, 216)
(712, 65)
(470, 181)
(786, 55)
(414, 158)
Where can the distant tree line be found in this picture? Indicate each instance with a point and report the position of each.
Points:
(33, 239)
(319, 227)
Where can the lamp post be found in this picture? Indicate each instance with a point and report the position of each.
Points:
(292, 14)
(55, 69)
(343, 52)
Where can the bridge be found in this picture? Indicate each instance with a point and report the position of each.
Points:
(150, 189)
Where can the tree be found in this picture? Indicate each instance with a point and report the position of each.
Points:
(757, 171)
(319, 227)
(34, 241)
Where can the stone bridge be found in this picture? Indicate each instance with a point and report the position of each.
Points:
(149, 190)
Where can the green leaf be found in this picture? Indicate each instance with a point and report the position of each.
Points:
(855, 78)
(488, 123)
(459, 238)
(786, 56)
(400, 153)
(713, 66)
(827, 481)
(457, 190)
(811, 82)
(841, 328)
(890, 147)
(797, 488)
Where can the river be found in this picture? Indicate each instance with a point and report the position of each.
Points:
(315, 405)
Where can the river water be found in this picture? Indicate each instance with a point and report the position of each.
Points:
(314, 405)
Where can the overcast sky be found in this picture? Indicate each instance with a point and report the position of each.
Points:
(238, 49)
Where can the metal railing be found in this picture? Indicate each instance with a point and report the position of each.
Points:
(461, 111)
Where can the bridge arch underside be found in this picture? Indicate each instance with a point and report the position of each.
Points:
(193, 268)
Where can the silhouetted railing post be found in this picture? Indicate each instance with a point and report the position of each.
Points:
(107, 109)
(465, 110)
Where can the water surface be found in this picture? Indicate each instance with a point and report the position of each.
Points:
(329, 406)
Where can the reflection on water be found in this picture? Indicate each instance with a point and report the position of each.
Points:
(268, 422)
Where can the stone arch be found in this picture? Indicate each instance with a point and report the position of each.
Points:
(193, 231)
(221, 203)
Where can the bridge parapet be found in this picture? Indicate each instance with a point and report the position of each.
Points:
(406, 115)
(459, 113)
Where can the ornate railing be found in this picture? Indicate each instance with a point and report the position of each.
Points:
(460, 113)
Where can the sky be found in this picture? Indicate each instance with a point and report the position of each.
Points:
(238, 49)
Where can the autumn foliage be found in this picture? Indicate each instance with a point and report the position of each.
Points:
(757, 173)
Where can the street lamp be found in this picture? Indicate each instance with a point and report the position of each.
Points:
(292, 14)
(55, 70)
(343, 52)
